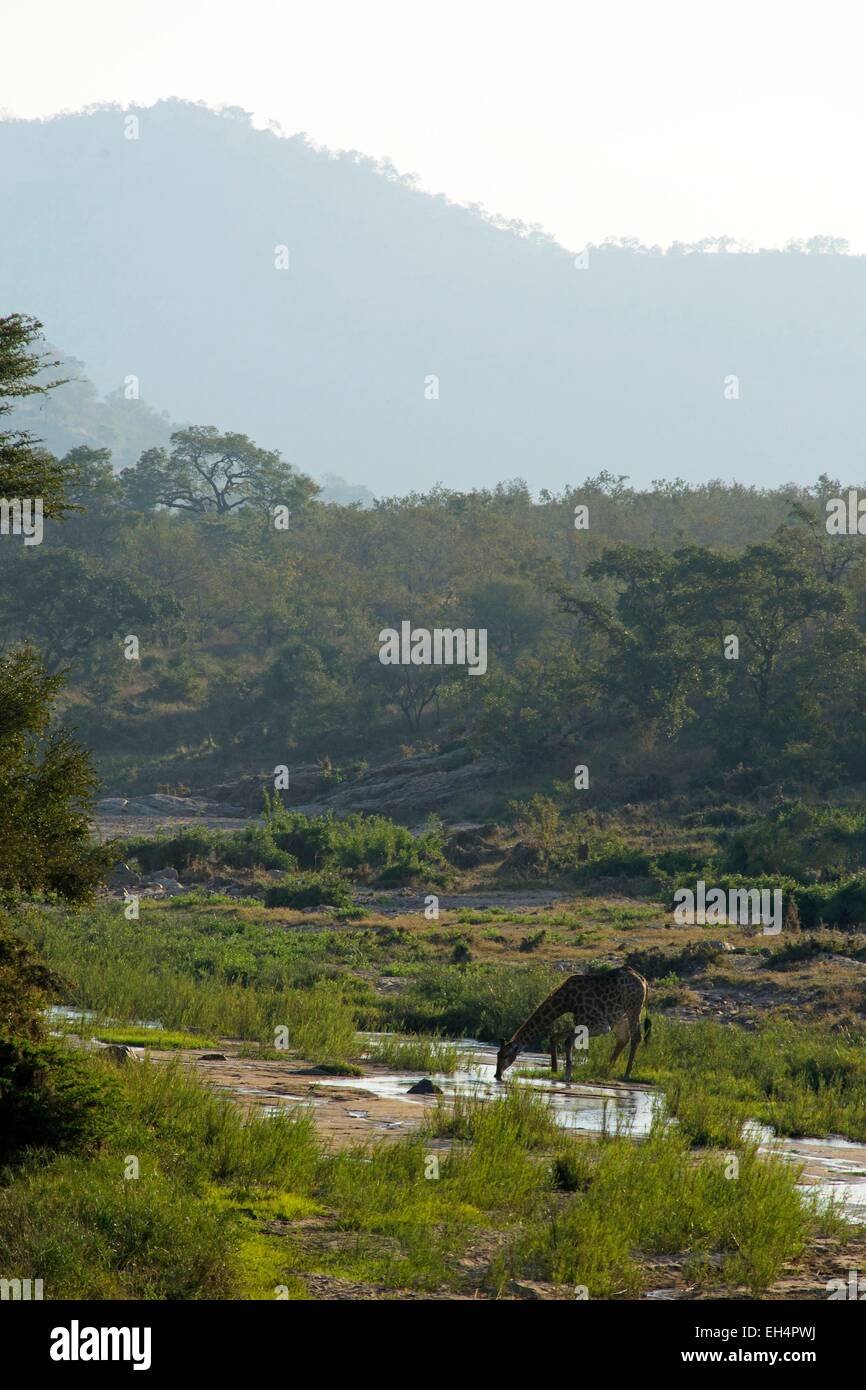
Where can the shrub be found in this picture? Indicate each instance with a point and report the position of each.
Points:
(310, 890)
(616, 860)
(801, 841)
(253, 847)
(478, 1001)
(50, 1098)
(361, 845)
(836, 905)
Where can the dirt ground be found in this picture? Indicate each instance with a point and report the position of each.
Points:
(343, 1115)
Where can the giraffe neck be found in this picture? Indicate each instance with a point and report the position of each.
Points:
(541, 1019)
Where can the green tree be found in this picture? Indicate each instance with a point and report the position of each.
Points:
(26, 470)
(768, 597)
(657, 659)
(208, 472)
(67, 601)
(46, 787)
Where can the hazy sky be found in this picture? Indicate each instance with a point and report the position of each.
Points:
(662, 121)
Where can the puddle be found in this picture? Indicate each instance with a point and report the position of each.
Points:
(833, 1168)
(259, 1093)
(65, 1013)
(595, 1109)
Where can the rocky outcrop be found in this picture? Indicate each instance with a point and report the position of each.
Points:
(118, 1053)
(161, 804)
(468, 846)
(407, 791)
(124, 882)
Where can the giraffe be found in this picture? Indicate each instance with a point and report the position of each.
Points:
(610, 1000)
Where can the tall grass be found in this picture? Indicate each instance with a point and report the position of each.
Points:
(197, 1221)
(207, 976)
(653, 1197)
(227, 974)
(481, 1001)
(799, 1078)
(416, 1054)
(89, 1230)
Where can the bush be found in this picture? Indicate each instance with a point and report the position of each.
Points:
(719, 817)
(616, 860)
(253, 847)
(478, 1001)
(309, 841)
(836, 905)
(361, 845)
(310, 890)
(50, 1098)
(168, 851)
(801, 841)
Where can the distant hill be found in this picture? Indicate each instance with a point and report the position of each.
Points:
(155, 257)
(73, 413)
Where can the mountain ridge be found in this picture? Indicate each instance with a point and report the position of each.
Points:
(155, 258)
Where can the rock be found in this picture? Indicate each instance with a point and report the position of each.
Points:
(424, 1088)
(211, 1057)
(117, 1053)
(521, 861)
(159, 874)
(248, 792)
(122, 876)
(161, 804)
(469, 846)
(407, 791)
(169, 886)
(527, 1288)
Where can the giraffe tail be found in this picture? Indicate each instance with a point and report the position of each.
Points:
(647, 1029)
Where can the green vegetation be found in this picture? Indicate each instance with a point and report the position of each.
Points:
(48, 1097)
(253, 655)
(652, 1197)
(800, 1079)
(228, 973)
(211, 1213)
(159, 1039)
(94, 1231)
(255, 652)
(321, 856)
(416, 1054)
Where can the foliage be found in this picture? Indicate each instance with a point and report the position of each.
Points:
(46, 788)
(208, 472)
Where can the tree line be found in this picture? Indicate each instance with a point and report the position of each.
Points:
(258, 636)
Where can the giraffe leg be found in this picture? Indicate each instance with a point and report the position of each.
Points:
(634, 1025)
(569, 1057)
(554, 1059)
(621, 1033)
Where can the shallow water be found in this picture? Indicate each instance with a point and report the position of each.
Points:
(841, 1162)
(65, 1013)
(598, 1109)
(592, 1109)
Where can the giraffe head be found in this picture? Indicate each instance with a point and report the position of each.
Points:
(505, 1056)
